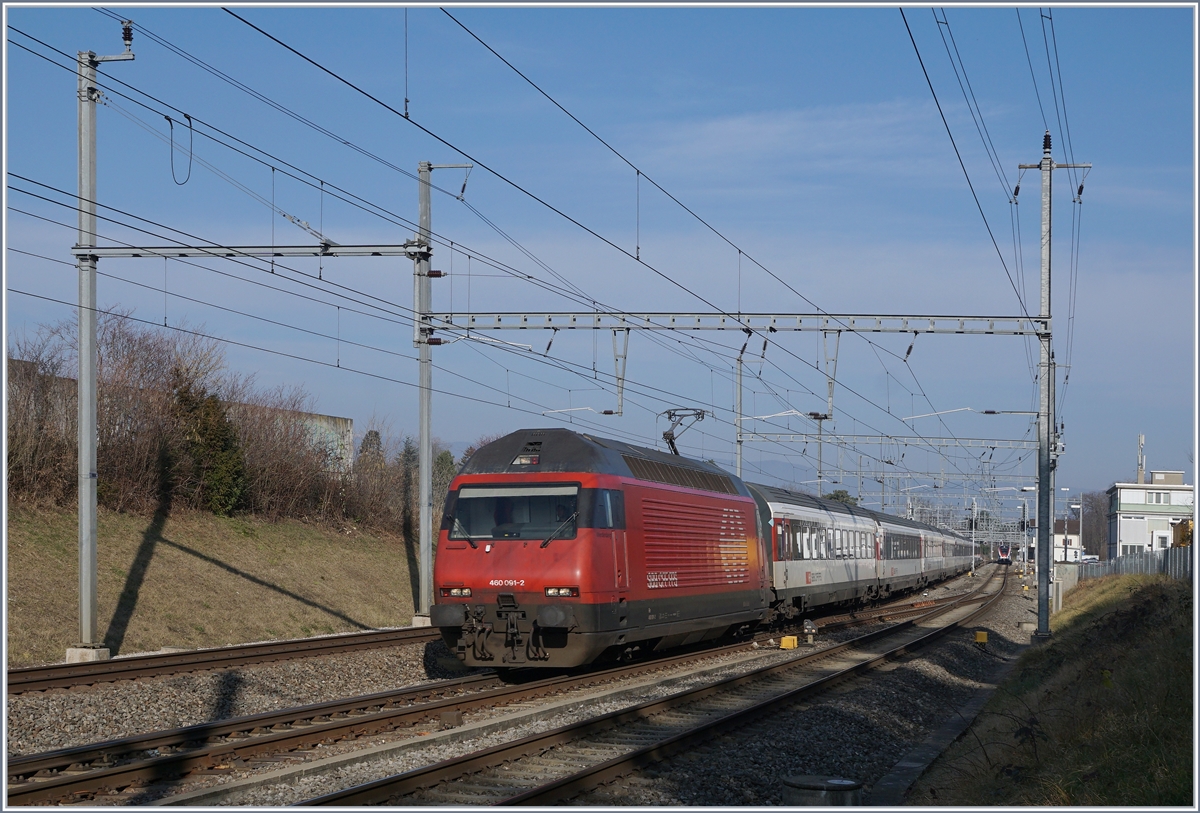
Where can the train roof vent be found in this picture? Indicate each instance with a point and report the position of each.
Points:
(659, 472)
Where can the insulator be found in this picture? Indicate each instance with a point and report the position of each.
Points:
(1080, 192)
(1017, 190)
(1046, 141)
(127, 35)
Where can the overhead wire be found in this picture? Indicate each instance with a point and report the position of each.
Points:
(868, 400)
(631, 384)
(640, 172)
(111, 218)
(301, 119)
(315, 183)
(964, 84)
(355, 200)
(1076, 214)
(516, 186)
(1032, 75)
(468, 379)
(966, 174)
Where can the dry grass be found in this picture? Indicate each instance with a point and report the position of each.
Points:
(192, 579)
(1101, 715)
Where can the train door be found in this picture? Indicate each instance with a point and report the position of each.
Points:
(610, 532)
(610, 513)
(877, 545)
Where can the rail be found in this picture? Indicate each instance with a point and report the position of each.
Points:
(416, 781)
(66, 675)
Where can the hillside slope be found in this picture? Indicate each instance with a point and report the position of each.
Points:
(197, 580)
(1100, 715)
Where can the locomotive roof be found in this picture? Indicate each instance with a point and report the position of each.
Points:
(783, 495)
(562, 450)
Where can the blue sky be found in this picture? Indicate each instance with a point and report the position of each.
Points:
(808, 138)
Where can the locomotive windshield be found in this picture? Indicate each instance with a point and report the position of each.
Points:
(515, 512)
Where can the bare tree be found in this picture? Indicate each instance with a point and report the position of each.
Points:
(1095, 523)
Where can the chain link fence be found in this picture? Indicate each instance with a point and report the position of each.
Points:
(1173, 562)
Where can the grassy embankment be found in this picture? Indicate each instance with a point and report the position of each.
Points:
(1101, 715)
(193, 580)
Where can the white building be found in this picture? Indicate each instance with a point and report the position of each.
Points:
(1066, 544)
(1142, 516)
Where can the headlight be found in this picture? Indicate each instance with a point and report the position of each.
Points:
(456, 591)
(556, 592)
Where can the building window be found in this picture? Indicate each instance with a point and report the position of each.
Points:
(1158, 497)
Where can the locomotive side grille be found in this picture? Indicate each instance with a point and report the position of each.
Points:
(697, 545)
(659, 472)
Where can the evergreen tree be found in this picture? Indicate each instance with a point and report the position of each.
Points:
(842, 495)
(217, 476)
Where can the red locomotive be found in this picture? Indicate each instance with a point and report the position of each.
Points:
(557, 547)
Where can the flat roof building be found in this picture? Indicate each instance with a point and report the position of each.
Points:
(1142, 516)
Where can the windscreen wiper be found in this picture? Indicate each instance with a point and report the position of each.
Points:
(458, 526)
(554, 533)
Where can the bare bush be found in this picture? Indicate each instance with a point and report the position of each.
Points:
(375, 490)
(480, 442)
(175, 427)
(289, 471)
(42, 452)
(383, 490)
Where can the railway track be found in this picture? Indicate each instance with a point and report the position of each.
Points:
(622, 742)
(80, 773)
(69, 675)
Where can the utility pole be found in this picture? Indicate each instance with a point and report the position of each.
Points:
(974, 524)
(1024, 531)
(423, 339)
(737, 411)
(1047, 434)
(89, 648)
(821, 417)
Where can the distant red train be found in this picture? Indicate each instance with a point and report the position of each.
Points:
(557, 548)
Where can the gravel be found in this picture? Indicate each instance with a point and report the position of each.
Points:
(858, 732)
(61, 718)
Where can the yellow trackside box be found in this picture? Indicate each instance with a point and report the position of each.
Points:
(789, 642)
(980, 637)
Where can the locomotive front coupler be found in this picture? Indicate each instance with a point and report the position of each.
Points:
(508, 611)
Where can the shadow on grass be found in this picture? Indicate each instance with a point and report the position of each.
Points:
(250, 577)
(118, 626)
(411, 541)
(127, 602)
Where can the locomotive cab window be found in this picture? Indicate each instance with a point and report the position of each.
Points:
(516, 512)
